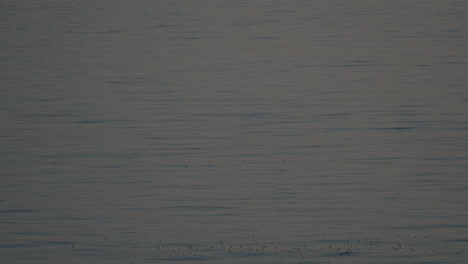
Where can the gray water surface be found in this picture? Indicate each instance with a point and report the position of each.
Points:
(234, 131)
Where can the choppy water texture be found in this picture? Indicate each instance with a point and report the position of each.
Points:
(234, 131)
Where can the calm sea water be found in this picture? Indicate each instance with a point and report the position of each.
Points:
(234, 131)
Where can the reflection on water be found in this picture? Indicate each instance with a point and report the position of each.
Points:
(234, 132)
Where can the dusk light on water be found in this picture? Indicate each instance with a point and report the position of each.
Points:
(251, 132)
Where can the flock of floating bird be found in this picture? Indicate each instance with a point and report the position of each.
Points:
(319, 252)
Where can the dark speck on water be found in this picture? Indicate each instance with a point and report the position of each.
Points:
(294, 132)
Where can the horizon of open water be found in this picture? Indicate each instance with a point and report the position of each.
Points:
(234, 131)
